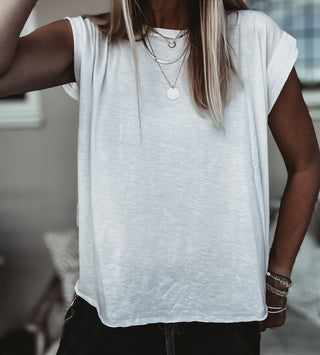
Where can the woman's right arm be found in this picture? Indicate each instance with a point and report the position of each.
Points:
(39, 60)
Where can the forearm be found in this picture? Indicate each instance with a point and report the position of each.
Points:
(14, 14)
(296, 209)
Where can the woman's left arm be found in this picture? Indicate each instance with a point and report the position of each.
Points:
(293, 131)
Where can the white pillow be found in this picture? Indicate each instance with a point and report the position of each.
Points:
(63, 247)
(53, 348)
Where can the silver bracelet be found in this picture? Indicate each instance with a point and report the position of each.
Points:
(275, 291)
(285, 281)
(274, 310)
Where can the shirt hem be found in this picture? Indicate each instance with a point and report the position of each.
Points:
(151, 320)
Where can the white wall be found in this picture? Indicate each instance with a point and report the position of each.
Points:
(38, 185)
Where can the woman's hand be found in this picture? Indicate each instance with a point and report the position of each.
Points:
(274, 320)
(276, 306)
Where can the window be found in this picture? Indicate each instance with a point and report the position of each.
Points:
(300, 18)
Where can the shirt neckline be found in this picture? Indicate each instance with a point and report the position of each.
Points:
(169, 32)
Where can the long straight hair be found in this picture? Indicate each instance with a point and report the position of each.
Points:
(209, 63)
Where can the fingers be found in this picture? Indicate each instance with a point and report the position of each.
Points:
(263, 326)
(273, 321)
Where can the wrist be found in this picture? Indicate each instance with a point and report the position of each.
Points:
(273, 299)
(280, 282)
(279, 269)
(279, 279)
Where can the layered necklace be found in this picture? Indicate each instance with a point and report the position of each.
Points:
(171, 41)
(173, 92)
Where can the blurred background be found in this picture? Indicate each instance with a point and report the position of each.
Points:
(38, 198)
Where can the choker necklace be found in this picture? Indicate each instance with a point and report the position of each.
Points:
(172, 42)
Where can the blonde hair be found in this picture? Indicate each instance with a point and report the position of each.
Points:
(209, 64)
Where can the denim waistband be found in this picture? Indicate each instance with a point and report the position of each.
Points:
(170, 329)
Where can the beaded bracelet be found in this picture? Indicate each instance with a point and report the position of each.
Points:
(285, 281)
(275, 291)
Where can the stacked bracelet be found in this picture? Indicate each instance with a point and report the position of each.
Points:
(274, 310)
(275, 291)
(283, 280)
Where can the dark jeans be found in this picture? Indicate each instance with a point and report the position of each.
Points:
(84, 334)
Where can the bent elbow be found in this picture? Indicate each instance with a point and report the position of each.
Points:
(4, 65)
(315, 166)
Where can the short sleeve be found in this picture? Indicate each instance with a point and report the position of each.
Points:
(281, 55)
(72, 89)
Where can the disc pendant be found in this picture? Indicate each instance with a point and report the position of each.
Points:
(173, 93)
(172, 44)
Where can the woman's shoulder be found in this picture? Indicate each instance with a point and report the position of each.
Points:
(89, 25)
(251, 20)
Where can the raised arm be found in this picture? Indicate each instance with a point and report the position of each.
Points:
(293, 131)
(39, 60)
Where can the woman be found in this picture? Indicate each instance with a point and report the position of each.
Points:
(175, 97)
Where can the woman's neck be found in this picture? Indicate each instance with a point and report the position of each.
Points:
(172, 14)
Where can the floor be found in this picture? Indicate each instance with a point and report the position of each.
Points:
(297, 337)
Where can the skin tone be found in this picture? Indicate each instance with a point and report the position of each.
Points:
(165, 13)
(291, 127)
(44, 59)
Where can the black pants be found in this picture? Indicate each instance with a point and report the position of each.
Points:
(84, 334)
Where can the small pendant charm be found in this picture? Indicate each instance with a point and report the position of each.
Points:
(173, 93)
(172, 44)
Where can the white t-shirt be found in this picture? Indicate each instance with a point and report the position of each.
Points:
(175, 228)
